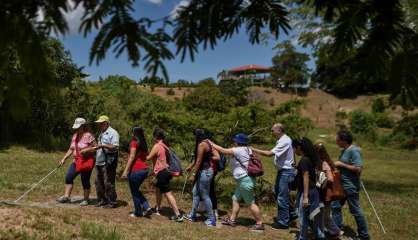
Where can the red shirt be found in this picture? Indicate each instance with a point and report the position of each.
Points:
(139, 161)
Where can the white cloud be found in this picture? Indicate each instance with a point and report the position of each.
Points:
(156, 2)
(175, 12)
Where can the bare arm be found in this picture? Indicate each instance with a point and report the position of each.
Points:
(154, 153)
(267, 153)
(215, 155)
(67, 155)
(349, 167)
(109, 146)
(200, 152)
(132, 154)
(91, 149)
(227, 151)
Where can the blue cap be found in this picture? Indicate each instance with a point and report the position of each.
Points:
(241, 138)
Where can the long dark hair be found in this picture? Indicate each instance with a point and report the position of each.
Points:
(307, 149)
(139, 136)
(159, 134)
(323, 155)
(200, 135)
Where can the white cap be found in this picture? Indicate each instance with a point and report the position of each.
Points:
(79, 122)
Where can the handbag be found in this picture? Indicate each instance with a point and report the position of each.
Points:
(255, 167)
(83, 163)
(334, 189)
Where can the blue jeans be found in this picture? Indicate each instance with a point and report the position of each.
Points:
(353, 199)
(135, 180)
(201, 191)
(281, 188)
(306, 213)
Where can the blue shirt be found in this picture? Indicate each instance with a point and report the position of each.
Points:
(349, 179)
(109, 136)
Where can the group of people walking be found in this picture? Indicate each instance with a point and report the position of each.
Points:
(313, 207)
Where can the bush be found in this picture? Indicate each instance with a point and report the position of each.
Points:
(170, 92)
(383, 120)
(378, 105)
(296, 125)
(290, 107)
(363, 123)
(407, 128)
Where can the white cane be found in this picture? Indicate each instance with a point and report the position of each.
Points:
(375, 212)
(184, 185)
(36, 184)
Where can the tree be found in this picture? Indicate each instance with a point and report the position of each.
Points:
(289, 66)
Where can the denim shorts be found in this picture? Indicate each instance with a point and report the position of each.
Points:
(245, 190)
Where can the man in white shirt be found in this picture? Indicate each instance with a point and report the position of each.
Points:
(106, 164)
(283, 160)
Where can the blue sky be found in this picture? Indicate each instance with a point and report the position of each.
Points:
(235, 52)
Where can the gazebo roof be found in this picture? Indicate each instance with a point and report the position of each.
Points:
(251, 67)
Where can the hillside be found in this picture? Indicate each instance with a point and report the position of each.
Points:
(320, 106)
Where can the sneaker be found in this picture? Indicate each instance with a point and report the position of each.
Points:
(133, 215)
(156, 212)
(190, 217)
(63, 199)
(147, 212)
(84, 203)
(211, 222)
(278, 226)
(229, 222)
(257, 228)
(178, 218)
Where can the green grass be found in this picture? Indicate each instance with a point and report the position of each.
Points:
(390, 176)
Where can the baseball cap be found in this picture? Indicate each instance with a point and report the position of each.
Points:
(78, 122)
(103, 118)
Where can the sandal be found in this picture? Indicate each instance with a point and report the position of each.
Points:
(229, 222)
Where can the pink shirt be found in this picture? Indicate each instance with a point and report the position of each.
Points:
(161, 162)
(85, 141)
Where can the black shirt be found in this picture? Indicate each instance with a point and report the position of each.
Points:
(304, 165)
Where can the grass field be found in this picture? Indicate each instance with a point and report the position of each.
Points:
(390, 177)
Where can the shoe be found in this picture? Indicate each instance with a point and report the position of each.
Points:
(178, 218)
(147, 212)
(133, 215)
(211, 222)
(100, 204)
(156, 211)
(84, 203)
(190, 217)
(110, 205)
(63, 199)
(229, 222)
(278, 226)
(257, 228)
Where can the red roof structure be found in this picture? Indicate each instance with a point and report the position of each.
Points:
(250, 68)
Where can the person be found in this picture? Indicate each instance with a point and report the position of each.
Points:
(350, 166)
(245, 185)
(308, 200)
(84, 143)
(327, 166)
(159, 157)
(202, 172)
(136, 171)
(106, 164)
(283, 161)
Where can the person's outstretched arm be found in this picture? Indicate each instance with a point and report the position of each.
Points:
(266, 153)
(227, 151)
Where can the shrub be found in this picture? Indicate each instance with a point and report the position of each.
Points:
(378, 105)
(290, 107)
(383, 120)
(296, 125)
(170, 92)
(407, 128)
(363, 123)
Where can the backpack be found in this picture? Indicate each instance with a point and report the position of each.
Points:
(221, 163)
(174, 163)
(255, 167)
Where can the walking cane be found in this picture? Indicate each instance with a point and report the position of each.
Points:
(184, 185)
(36, 184)
(375, 212)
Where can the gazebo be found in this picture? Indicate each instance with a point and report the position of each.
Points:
(254, 73)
